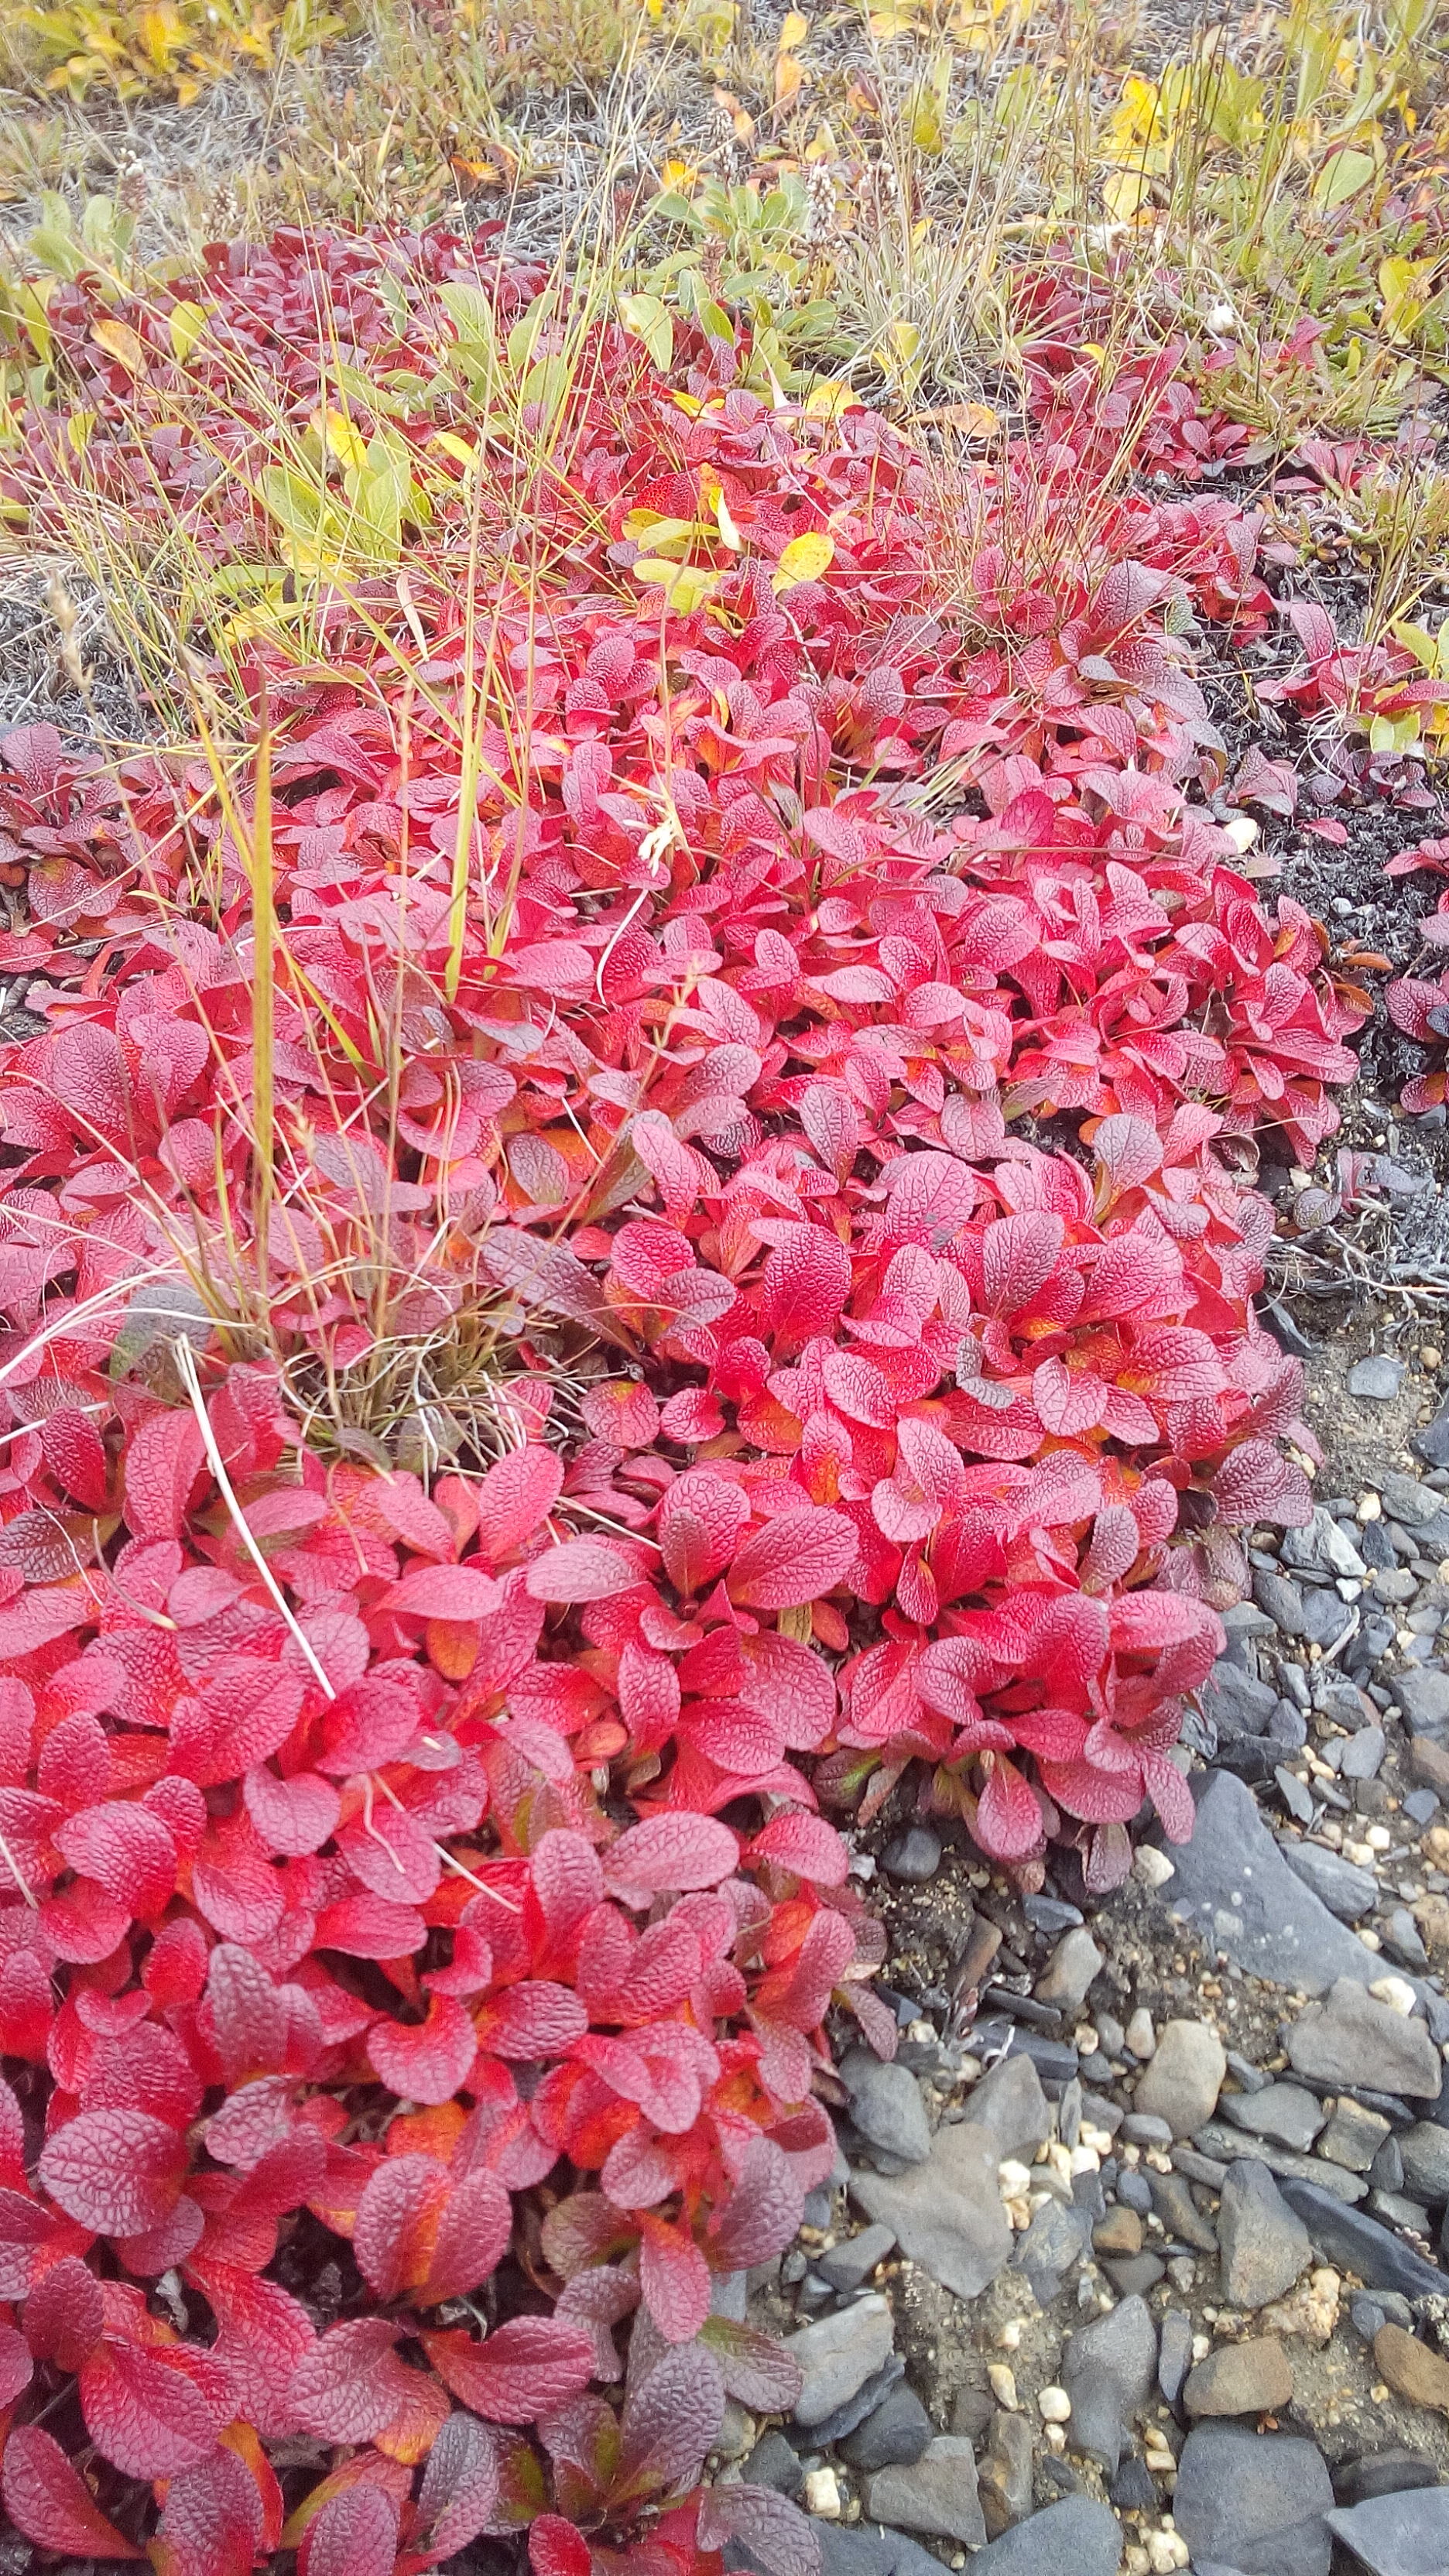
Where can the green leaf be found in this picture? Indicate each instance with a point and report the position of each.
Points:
(1342, 175)
(646, 318)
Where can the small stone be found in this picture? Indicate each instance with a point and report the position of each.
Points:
(1140, 2036)
(1052, 2246)
(1363, 1754)
(1282, 1601)
(852, 2413)
(821, 2494)
(1376, 1379)
(893, 2437)
(886, 2106)
(946, 2214)
(1311, 2312)
(772, 2463)
(1133, 2275)
(1411, 2369)
(1429, 1762)
(1049, 1914)
(1421, 1807)
(1382, 2473)
(1425, 2152)
(1357, 2243)
(1174, 2354)
(1078, 2537)
(838, 2354)
(1287, 2113)
(1253, 2378)
(1401, 2534)
(1132, 2490)
(1073, 1965)
(1234, 1883)
(1053, 2405)
(1357, 2040)
(1180, 2215)
(1147, 2129)
(846, 2265)
(1009, 2103)
(1408, 1501)
(913, 1856)
(1346, 1891)
(1367, 2316)
(1003, 2384)
(1264, 2246)
(972, 2409)
(1004, 2481)
(1424, 1698)
(1354, 2135)
(935, 2495)
(1183, 2078)
(1151, 1867)
(1120, 2232)
(1297, 1797)
(1107, 2369)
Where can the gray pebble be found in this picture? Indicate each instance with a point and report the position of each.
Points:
(1174, 2354)
(894, 2436)
(772, 2463)
(1281, 1598)
(1363, 1754)
(913, 1856)
(846, 2265)
(1376, 1379)
(886, 2106)
(1403, 2534)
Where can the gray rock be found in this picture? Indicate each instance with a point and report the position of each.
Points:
(1286, 2113)
(1346, 1890)
(1363, 1754)
(886, 2105)
(1236, 1703)
(1148, 2128)
(1405, 2534)
(1075, 2538)
(1378, 1379)
(1004, 2478)
(772, 2463)
(1183, 2078)
(1264, 2244)
(1253, 2502)
(936, 2495)
(1354, 2039)
(893, 2437)
(1366, 2316)
(1325, 1618)
(1386, 2172)
(1355, 2136)
(1174, 2354)
(1381, 2473)
(946, 2214)
(1425, 2153)
(838, 2354)
(1296, 1795)
(848, 2417)
(1401, 1939)
(1230, 2145)
(1233, 1881)
(1133, 2275)
(1132, 2490)
(846, 2265)
(1421, 1806)
(1282, 1601)
(1180, 2215)
(1432, 1443)
(1424, 1698)
(1354, 2242)
(913, 1856)
(871, 2553)
(1107, 2370)
(1009, 2104)
(1051, 2247)
(1069, 1973)
(1406, 1499)
(1250, 2378)
(1050, 1914)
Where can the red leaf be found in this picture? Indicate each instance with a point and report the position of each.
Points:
(352, 2383)
(212, 2520)
(793, 1559)
(582, 1569)
(539, 2019)
(127, 1851)
(804, 1285)
(458, 1592)
(427, 2061)
(529, 2367)
(774, 2531)
(371, 1722)
(473, 2237)
(397, 2221)
(75, 1453)
(1008, 1819)
(49, 2501)
(460, 2485)
(154, 2412)
(65, 2314)
(355, 2534)
(669, 1853)
(674, 2277)
(265, 2336)
(163, 1460)
(117, 2171)
(670, 2422)
(699, 1524)
(557, 2548)
(805, 1844)
(515, 1498)
(16, 2365)
(368, 1927)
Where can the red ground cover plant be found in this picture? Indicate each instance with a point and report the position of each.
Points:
(827, 1062)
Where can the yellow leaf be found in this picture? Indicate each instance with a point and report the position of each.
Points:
(646, 318)
(186, 324)
(793, 31)
(78, 428)
(789, 79)
(804, 559)
(685, 586)
(343, 441)
(729, 533)
(458, 448)
(1124, 194)
(121, 343)
(828, 399)
(1399, 281)
(972, 419)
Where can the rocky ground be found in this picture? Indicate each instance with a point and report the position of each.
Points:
(1136, 2255)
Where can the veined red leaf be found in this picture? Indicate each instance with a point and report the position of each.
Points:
(51, 2504)
(430, 2060)
(524, 2370)
(355, 2534)
(793, 1559)
(117, 2171)
(154, 2412)
(669, 1853)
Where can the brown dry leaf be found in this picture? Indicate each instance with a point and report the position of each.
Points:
(789, 80)
(498, 169)
(972, 419)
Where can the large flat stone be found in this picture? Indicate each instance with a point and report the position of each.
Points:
(1009, 2102)
(1076, 2538)
(1357, 2243)
(947, 2213)
(1253, 2502)
(1232, 1881)
(1397, 2535)
(1353, 2039)
(838, 2354)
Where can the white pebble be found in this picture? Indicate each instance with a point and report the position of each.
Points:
(1056, 2438)
(1369, 1938)
(1141, 2037)
(1369, 1508)
(1396, 1992)
(1003, 2384)
(1379, 1838)
(1054, 2406)
(1151, 1866)
(1013, 2178)
(1201, 2347)
(822, 2494)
